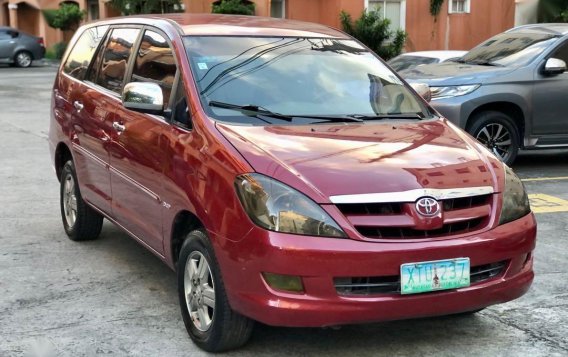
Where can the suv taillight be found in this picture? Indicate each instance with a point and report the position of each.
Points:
(40, 41)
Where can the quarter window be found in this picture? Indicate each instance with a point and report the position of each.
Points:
(81, 55)
(562, 52)
(155, 63)
(115, 58)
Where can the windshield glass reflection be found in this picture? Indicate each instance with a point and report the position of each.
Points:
(295, 77)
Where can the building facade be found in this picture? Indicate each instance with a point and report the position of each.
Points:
(460, 25)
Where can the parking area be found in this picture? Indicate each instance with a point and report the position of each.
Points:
(111, 296)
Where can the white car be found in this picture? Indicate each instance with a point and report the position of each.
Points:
(414, 59)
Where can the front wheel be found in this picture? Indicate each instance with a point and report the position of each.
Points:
(498, 133)
(208, 318)
(80, 221)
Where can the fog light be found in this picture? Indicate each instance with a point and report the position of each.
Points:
(284, 282)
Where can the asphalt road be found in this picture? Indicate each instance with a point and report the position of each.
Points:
(112, 297)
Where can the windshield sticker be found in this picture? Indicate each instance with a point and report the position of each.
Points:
(202, 66)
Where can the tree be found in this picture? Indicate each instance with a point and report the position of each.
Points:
(66, 18)
(374, 32)
(238, 7)
(135, 7)
(553, 11)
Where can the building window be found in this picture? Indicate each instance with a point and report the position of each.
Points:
(459, 7)
(394, 10)
(278, 8)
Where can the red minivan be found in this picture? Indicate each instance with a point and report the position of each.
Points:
(284, 172)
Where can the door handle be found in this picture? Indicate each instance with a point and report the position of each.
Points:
(118, 127)
(78, 105)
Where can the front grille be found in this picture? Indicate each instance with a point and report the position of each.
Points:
(410, 233)
(367, 285)
(376, 285)
(485, 272)
(394, 220)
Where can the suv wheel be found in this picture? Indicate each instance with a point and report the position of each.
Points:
(80, 221)
(498, 133)
(23, 59)
(208, 318)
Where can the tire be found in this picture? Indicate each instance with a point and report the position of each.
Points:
(23, 59)
(80, 221)
(218, 328)
(498, 132)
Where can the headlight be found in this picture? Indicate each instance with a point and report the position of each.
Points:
(452, 91)
(515, 199)
(277, 207)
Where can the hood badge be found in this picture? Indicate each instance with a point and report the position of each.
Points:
(428, 206)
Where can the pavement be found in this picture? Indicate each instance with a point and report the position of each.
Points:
(112, 297)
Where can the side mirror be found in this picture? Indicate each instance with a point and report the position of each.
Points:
(423, 90)
(143, 97)
(554, 66)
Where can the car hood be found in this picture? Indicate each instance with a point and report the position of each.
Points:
(343, 159)
(452, 73)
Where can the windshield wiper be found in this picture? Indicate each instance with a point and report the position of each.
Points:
(250, 110)
(412, 116)
(255, 110)
(478, 63)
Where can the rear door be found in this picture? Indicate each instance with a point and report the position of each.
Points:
(137, 160)
(89, 117)
(550, 116)
(7, 43)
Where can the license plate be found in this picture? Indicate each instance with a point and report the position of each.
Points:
(435, 275)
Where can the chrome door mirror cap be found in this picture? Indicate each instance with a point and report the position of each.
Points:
(422, 89)
(554, 66)
(143, 97)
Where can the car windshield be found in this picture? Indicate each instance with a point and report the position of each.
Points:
(269, 80)
(509, 49)
(405, 62)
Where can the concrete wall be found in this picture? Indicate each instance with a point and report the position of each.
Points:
(456, 31)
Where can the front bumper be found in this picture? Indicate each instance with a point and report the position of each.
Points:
(319, 260)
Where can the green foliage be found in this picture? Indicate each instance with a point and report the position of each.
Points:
(237, 7)
(135, 7)
(67, 17)
(374, 32)
(553, 11)
(435, 7)
(56, 51)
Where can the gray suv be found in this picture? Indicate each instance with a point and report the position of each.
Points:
(509, 92)
(19, 48)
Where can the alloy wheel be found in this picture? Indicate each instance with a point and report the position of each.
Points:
(69, 201)
(199, 290)
(497, 138)
(23, 59)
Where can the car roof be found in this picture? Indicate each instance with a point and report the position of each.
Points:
(235, 25)
(443, 55)
(559, 29)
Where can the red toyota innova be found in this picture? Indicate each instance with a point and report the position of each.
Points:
(284, 172)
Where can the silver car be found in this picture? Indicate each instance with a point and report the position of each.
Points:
(414, 59)
(509, 92)
(19, 48)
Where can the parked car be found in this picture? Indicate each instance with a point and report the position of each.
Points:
(19, 48)
(414, 59)
(284, 172)
(509, 92)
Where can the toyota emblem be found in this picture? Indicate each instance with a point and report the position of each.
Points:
(427, 206)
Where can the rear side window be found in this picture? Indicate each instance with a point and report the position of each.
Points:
(155, 63)
(115, 58)
(4, 35)
(82, 53)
